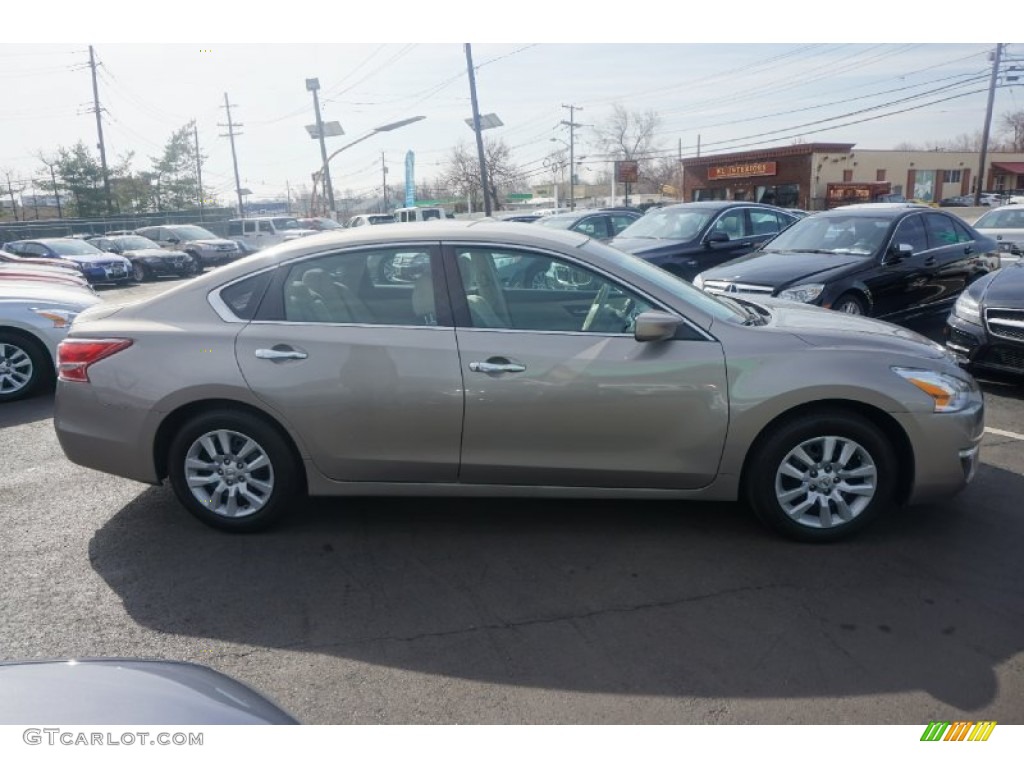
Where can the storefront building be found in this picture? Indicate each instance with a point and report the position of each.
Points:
(798, 176)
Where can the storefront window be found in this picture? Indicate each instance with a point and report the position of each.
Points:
(782, 195)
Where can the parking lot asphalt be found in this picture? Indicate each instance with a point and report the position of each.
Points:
(501, 611)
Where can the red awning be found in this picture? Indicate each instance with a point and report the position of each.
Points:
(1017, 168)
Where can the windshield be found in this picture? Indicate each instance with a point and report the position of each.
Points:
(1002, 219)
(135, 242)
(192, 232)
(559, 222)
(668, 282)
(669, 223)
(286, 223)
(835, 233)
(73, 248)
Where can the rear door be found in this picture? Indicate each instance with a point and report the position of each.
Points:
(364, 370)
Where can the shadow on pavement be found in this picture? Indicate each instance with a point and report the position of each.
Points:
(35, 408)
(641, 598)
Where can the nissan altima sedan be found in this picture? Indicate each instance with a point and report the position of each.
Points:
(302, 369)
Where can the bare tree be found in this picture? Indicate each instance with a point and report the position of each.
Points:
(626, 135)
(1013, 124)
(12, 187)
(461, 171)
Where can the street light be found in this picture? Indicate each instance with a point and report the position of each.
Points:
(324, 169)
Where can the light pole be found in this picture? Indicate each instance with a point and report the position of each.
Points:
(313, 85)
(322, 172)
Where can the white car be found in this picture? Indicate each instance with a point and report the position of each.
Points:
(1006, 225)
(34, 318)
(261, 232)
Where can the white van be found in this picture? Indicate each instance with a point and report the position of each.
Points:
(264, 231)
(422, 214)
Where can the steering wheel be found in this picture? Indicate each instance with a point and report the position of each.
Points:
(595, 308)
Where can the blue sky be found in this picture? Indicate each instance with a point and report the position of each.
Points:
(733, 95)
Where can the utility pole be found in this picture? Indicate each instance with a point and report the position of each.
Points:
(199, 167)
(234, 156)
(573, 125)
(313, 85)
(288, 191)
(988, 123)
(99, 130)
(384, 183)
(477, 131)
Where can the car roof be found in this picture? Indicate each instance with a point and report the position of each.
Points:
(716, 205)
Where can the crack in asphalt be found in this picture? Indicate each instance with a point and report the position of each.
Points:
(537, 621)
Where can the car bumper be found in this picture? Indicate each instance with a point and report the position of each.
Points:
(166, 268)
(976, 349)
(103, 276)
(213, 258)
(105, 436)
(946, 449)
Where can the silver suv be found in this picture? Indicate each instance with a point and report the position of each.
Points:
(203, 246)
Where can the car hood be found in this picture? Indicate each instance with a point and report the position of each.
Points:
(88, 258)
(649, 247)
(50, 293)
(782, 269)
(1013, 235)
(1006, 288)
(153, 253)
(820, 327)
(215, 241)
(129, 692)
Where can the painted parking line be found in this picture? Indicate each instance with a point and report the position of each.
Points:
(1004, 433)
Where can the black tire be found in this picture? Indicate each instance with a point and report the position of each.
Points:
(850, 304)
(25, 367)
(140, 272)
(765, 482)
(282, 471)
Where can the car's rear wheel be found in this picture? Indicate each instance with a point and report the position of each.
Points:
(25, 366)
(850, 304)
(140, 273)
(232, 470)
(821, 476)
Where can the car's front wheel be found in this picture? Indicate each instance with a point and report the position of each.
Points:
(25, 366)
(232, 470)
(821, 476)
(195, 266)
(850, 304)
(140, 273)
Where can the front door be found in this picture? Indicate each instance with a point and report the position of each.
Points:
(362, 368)
(558, 392)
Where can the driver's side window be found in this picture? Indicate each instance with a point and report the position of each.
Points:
(911, 232)
(526, 291)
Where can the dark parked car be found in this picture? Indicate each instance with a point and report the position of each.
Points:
(148, 259)
(890, 260)
(94, 264)
(602, 224)
(688, 238)
(205, 248)
(986, 328)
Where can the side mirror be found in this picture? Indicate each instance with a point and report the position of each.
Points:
(655, 326)
(716, 237)
(900, 251)
(173, 240)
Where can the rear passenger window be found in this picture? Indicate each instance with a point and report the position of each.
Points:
(941, 230)
(243, 298)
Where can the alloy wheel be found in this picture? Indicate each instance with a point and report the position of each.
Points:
(15, 369)
(229, 473)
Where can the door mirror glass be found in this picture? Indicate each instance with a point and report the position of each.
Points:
(900, 251)
(655, 326)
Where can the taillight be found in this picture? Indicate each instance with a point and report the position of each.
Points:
(74, 356)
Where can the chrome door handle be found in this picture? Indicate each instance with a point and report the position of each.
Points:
(497, 367)
(280, 354)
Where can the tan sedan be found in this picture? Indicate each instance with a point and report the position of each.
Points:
(312, 368)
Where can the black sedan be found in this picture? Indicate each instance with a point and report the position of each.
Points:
(986, 328)
(688, 238)
(889, 260)
(148, 259)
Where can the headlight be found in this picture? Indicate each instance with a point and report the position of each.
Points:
(61, 318)
(805, 293)
(698, 282)
(967, 309)
(949, 393)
